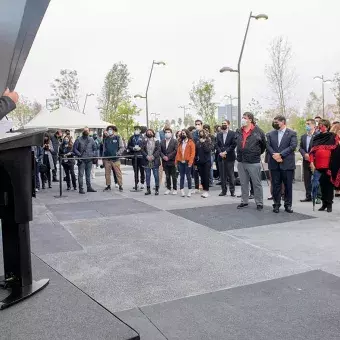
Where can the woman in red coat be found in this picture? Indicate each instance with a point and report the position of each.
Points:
(324, 144)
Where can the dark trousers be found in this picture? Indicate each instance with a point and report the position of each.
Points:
(54, 171)
(204, 172)
(137, 167)
(217, 165)
(37, 179)
(69, 174)
(285, 177)
(251, 187)
(227, 175)
(170, 173)
(196, 177)
(85, 166)
(307, 178)
(184, 171)
(327, 188)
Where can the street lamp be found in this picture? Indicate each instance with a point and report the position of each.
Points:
(185, 108)
(238, 70)
(323, 92)
(87, 95)
(154, 62)
(231, 98)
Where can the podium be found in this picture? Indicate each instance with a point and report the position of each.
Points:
(16, 173)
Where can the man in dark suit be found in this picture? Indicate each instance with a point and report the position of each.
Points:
(225, 147)
(305, 147)
(281, 145)
(169, 147)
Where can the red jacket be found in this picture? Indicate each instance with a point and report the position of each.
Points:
(320, 158)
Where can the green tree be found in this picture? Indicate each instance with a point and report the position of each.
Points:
(66, 89)
(25, 111)
(189, 120)
(313, 106)
(179, 122)
(115, 90)
(336, 89)
(201, 97)
(157, 124)
(124, 118)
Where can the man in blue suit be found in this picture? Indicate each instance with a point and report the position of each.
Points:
(281, 145)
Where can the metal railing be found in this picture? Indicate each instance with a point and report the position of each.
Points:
(134, 158)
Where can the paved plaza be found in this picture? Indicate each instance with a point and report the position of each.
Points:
(186, 268)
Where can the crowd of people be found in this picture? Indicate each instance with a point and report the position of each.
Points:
(189, 155)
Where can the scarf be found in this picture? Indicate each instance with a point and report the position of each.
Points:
(324, 141)
(150, 146)
(334, 167)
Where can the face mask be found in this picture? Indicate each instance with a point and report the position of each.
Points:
(198, 126)
(183, 137)
(308, 128)
(149, 135)
(85, 133)
(65, 141)
(323, 128)
(317, 123)
(168, 135)
(45, 141)
(110, 132)
(224, 127)
(276, 126)
(244, 122)
(137, 132)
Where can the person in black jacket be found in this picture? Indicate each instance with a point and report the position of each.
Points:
(207, 129)
(55, 139)
(225, 147)
(134, 147)
(169, 147)
(251, 144)
(203, 160)
(66, 151)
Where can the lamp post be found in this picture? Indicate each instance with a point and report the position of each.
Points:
(238, 70)
(147, 90)
(231, 98)
(87, 95)
(323, 92)
(185, 108)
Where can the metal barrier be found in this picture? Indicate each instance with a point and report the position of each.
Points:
(61, 175)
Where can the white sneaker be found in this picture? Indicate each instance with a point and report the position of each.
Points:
(142, 186)
(116, 185)
(205, 194)
(189, 193)
(167, 192)
(36, 190)
(174, 192)
(182, 193)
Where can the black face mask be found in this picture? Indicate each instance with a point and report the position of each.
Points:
(149, 135)
(276, 126)
(183, 137)
(224, 127)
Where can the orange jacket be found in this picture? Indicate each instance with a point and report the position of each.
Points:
(189, 153)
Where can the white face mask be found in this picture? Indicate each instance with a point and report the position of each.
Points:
(110, 132)
(137, 132)
(317, 123)
(168, 135)
(244, 122)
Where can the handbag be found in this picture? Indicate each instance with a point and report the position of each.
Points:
(42, 168)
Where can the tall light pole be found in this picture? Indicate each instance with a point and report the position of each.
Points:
(147, 90)
(87, 95)
(231, 98)
(185, 108)
(238, 70)
(323, 92)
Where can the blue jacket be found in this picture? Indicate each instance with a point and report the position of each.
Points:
(286, 149)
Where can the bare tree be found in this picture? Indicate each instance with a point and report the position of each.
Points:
(280, 73)
(336, 89)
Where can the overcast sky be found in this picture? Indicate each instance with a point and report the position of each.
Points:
(194, 37)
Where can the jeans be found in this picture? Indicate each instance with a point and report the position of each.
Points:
(54, 171)
(84, 166)
(69, 174)
(204, 172)
(155, 172)
(211, 179)
(170, 173)
(184, 171)
(37, 179)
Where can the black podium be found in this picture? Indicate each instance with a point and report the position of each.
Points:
(16, 173)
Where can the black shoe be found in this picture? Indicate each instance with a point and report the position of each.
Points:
(289, 210)
(43, 187)
(81, 191)
(242, 205)
(74, 188)
(323, 207)
(251, 197)
(259, 207)
(306, 200)
(276, 210)
(218, 183)
(108, 188)
(50, 186)
(223, 194)
(337, 195)
(329, 208)
(91, 190)
(148, 191)
(121, 189)
(68, 188)
(232, 194)
(239, 196)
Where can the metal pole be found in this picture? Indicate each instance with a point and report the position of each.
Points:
(323, 97)
(60, 179)
(146, 95)
(85, 104)
(136, 172)
(239, 71)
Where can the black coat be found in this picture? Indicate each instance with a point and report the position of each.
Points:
(67, 152)
(156, 153)
(254, 147)
(6, 106)
(203, 152)
(169, 151)
(229, 145)
(286, 149)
